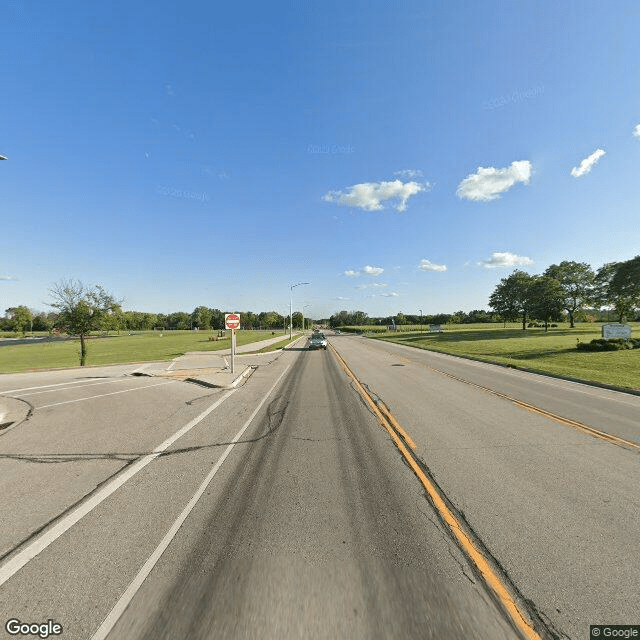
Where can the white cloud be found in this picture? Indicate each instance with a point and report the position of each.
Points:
(372, 271)
(391, 294)
(587, 164)
(488, 183)
(505, 259)
(427, 265)
(370, 195)
(636, 131)
(367, 270)
(409, 173)
(342, 298)
(374, 285)
(9, 278)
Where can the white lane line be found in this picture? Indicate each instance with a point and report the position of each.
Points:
(120, 606)
(91, 384)
(38, 545)
(44, 386)
(171, 365)
(102, 395)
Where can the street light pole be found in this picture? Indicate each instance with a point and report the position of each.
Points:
(420, 310)
(291, 307)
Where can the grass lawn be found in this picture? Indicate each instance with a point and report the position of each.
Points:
(117, 349)
(553, 352)
(278, 345)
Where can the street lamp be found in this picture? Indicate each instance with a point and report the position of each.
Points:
(420, 310)
(291, 307)
(2, 158)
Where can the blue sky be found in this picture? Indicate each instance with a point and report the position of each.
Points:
(398, 156)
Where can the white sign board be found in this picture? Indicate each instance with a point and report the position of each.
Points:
(615, 330)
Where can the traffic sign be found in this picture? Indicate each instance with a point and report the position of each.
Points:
(232, 320)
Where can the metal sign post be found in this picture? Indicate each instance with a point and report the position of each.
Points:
(232, 321)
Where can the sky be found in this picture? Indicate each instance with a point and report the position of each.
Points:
(398, 156)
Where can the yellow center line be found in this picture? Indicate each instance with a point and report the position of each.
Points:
(567, 422)
(465, 541)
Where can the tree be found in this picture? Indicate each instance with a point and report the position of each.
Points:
(576, 280)
(217, 319)
(340, 319)
(547, 299)
(19, 319)
(624, 287)
(42, 322)
(620, 295)
(81, 310)
(201, 317)
(359, 318)
(512, 297)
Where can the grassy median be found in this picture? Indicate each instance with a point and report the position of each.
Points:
(118, 349)
(551, 352)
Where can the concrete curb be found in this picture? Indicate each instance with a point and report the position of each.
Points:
(208, 383)
(12, 413)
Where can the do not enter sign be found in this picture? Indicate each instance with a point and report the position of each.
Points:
(231, 320)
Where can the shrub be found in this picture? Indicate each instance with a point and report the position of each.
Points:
(614, 344)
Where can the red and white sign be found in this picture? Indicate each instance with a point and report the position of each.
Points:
(231, 320)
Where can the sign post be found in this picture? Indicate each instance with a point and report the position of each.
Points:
(232, 321)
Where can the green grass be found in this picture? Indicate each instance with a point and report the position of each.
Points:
(118, 349)
(553, 352)
(17, 334)
(278, 345)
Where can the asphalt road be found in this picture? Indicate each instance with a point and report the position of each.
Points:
(281, 509)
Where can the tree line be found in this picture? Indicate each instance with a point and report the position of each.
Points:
(567, 290)
(569, 287)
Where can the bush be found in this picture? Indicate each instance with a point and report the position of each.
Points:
(614, 344)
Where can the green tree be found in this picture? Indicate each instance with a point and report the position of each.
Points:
(217, 319)
(20, 319)
(547, 299)
(201, 317)
(577, 281)
(624, 288)
(81, 310)
(359, 318)
(340, 319)
(512, 297)
(42, 322)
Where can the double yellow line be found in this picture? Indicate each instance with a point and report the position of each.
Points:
(401, 439)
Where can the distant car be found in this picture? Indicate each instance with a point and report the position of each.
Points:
(317, 341)
(338, 331)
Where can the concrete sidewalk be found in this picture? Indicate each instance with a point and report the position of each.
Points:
(207, 368)
(213, 368)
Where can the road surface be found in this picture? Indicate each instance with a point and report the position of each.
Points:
(153, 508)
